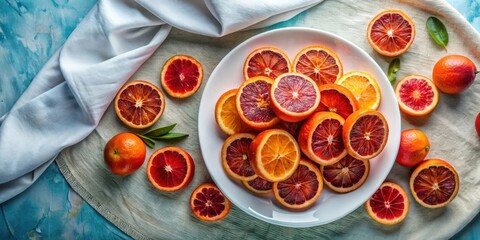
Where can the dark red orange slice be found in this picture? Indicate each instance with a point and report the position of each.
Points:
(346, 175)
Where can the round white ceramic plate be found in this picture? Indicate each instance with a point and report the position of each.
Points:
(228, 75)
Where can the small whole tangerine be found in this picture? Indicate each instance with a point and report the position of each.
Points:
(453, 74)
(414, 147)
(124, 153)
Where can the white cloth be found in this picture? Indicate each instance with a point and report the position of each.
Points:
(67, 98)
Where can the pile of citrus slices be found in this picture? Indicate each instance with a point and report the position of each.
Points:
(295, 127)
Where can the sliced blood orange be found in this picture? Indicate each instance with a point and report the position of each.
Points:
(170, 169)
(391, 33)
(208, 203)
(139, 104)
(294, 97)
(389, 204)
(434, 183)
(319, 63)
(416, 95)
(181, 76)
(346, 175)
(274, 155)
(302, 189)
(226, 114)
(235, 157)
(338, 99)
(258, 185)
(266, 61)
(320, 138)
(364, 87)
(291, 127)
(365, 134)
(253, 103)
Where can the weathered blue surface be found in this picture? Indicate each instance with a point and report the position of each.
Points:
(30, 32)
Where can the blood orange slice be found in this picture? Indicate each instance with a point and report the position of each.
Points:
(302, 189)
(346, 175)
(170, 169)
(139, 104)
(320, 138)
(319, 63)
(365, 134)
(253, 103)
(291, 127)
(389, 204)
(235, 157)
(294, 97)
(258, 185)
(338, 99)
(391, 33)
(266, 61)
(181, 76)
(364, 87)
(208, 203)
(416, 95)
(434, 183)
(226, 114)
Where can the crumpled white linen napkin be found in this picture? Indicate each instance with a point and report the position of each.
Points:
(68, 97)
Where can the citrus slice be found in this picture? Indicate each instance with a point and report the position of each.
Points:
(181, 76)
(389, 204)
(170, 169)
(391, 33)
(226, 114)
(274, 155)
(302, 189)
(364, 87)
(139, 104)
(434, 183)
(294, 97)
(319, 63)
(266, 61)
(416, 95)
(346, 175)
(338, 99)
(208, 203)
(365, 133)
(320, 138)
(253, 103)
(258, 185)
(235, 157)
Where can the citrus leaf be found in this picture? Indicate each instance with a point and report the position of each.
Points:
(171, 136)
(393, 69)
(148, 141)
(159, 131)
(437, 30)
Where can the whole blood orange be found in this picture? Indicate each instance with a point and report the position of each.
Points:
(124, 153)
(346, 175)
(391, 33)
(235, 157)
(319, 63)
(389, 204)
(414, 147)
(266, 61)
(258, 185)
(453, 74)
(181, 76)
(338, 99)
(226, 114)
(208, 203)
(364, 87)
(416, 95)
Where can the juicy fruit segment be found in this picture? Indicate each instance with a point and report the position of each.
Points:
(253, 103)
(346, 175)
(391, 33)
(319, 63)
(477, 124)
(414, 147)
(416, 95)
(389, 204)
(364, 87)
(258, 185)
(365, 134)
(453, 74)
(320, 138)
(294, 97)
(208, 203)
(226, 114)
(235, 158)
(170, 169)
(124, 153)
(181, 76)
(266, 61)
(338, 99)
(302, 189)
(274, 155)
(139, 104)
(434, 183)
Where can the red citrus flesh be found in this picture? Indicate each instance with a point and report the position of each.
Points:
(389, 204)
(346, 175)
(477, 124)
(181, 76)
(267, 61)
(417, 95)
(319, 63)
(258, 185)
(336, 98)
(291, 127)
(235, 159)
(208, 203)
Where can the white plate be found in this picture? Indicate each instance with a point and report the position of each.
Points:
(228, 75)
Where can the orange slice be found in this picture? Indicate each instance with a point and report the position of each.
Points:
(235, 159)
(226, 114)
(346, 175)
(338, 99)
(181, 76)
(266, 61)
(416, 95)
(389, 204)
(364, 87)
(208, 203)
(319, 63)
(258, 185)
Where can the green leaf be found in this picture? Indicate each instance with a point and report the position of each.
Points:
(393, 69)
(148, 141)
(159, 131)
(437, 31)
(171, 136)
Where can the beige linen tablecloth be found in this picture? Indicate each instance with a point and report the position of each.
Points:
(133, 205)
